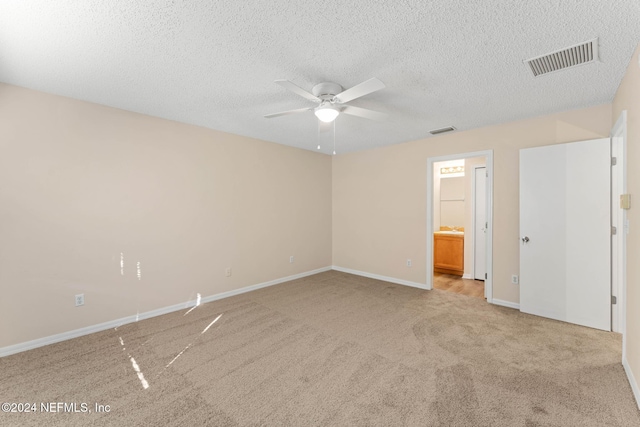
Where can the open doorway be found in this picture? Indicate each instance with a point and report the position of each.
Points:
(459, 218)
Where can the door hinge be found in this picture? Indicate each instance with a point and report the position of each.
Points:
(614, 230)
(486, 174)
(614, 161)
(614, 299)
(485, 276)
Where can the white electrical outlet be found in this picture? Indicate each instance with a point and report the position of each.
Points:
(514, 279)
(227, 272)
(408, 263)
(79, 300)
(291, 259)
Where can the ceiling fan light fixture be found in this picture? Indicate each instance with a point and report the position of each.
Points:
(326, 113)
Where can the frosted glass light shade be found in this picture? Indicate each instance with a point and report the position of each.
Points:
(326, 113)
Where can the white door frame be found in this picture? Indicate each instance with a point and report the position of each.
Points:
(619, 256)
(488, 155)
(473, 220)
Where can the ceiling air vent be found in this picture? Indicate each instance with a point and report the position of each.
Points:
(579, 54)
(442, 130)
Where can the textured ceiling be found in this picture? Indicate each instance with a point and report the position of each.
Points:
(213, 63)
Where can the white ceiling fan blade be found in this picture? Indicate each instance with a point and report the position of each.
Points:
(363, 112)
(297, 89)
(285, 113)
(359, 90)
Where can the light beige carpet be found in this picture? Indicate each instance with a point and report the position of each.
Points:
(331, 349)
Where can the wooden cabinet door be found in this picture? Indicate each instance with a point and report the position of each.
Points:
(448, 253)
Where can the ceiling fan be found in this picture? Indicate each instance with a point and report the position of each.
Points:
(332, 97)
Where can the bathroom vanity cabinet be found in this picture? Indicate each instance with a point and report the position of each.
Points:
(448, 252)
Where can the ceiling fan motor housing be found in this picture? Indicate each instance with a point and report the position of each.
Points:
(327, 90)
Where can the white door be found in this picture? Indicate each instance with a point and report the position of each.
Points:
(565, 232)
(479, 223)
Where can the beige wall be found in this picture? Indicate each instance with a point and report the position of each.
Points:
(452, 202)
(82, 183)
(437, 207)
(628, 98)
(379, 195)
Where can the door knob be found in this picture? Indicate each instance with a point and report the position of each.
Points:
(525, 239)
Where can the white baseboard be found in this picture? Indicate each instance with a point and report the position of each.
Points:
(40, 342)
(260, 285)
(377, 276)
(632, 380)
(467, 276)
(505, 303)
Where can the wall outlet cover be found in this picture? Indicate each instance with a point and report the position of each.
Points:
(79, 300)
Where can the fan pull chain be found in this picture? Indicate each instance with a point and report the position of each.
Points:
(334, 137)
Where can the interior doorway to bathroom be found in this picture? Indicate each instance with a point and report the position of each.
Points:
(459, 243)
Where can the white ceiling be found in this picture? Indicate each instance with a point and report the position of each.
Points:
(213, 63)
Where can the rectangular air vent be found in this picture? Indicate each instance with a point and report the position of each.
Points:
(442, 130)
(579, 54)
